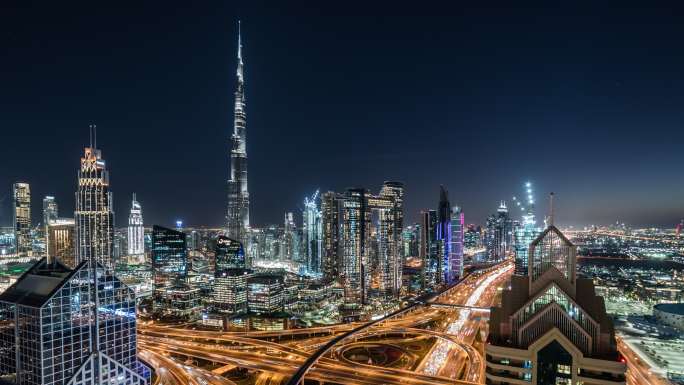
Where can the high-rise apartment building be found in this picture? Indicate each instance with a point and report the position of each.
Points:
(370, 243)
(237, 217)
(94, 215)
(312, 234)
(551, 327)
(136, 234)
(61, 242)
(443, 235)
(330, 223)
(21, 211)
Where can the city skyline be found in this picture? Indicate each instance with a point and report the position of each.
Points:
(182, 174)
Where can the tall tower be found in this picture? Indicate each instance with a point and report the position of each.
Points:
(237, 217)
(312, 234)
(94, 215)
(50, 210)
(136, 233)
(22, 217)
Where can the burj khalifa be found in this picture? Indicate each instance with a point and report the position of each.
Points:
(237, 218)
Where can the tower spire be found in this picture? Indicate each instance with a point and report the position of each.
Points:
(551, 209)
(239, 55)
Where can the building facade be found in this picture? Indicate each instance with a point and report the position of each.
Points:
(169, 264)
(63, 326)
(50, 210)
(61, 240)
(312, 234)
(330, 223)
(237, 217)
(551, 327)
(431, 263)
(265, 294)
(499, 234)
(21, 211)
(370, 245)
(94, 214)
(136, 234)
(456, 246)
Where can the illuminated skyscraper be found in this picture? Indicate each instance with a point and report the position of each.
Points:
(551, 327)
(499, 234)
(136, 234)
(50, 210)
(330, 218)
(455, 261)
(70, 326)
(526, 232)
(238, 196)
(443, 235)
(312, 234)
(22, 217)
(230, 277)
(94, 215)
(431, 270)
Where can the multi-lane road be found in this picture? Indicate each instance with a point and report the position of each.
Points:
(277, 355)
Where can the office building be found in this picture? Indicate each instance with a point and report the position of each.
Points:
(443, 236)
(94, 215)
(312, 234)
(136, 234)
(265, 294)
(169, 264)
(551, 327)
(21, 211)
(61, 239)
(64, 326)
(237, 217)
(411, 241)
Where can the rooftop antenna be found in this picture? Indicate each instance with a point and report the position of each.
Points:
(90, 127)
(551, 209)
(95, 134)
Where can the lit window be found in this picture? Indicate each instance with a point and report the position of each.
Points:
(564, 369)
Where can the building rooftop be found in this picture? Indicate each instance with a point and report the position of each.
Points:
(674, 308)
(37, 284)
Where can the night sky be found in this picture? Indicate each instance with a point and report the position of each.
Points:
(585, 102)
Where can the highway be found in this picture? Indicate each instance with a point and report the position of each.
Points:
(314, 353)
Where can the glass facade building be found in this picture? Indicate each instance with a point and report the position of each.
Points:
(136, 234)
(63, 326)
(169, 261)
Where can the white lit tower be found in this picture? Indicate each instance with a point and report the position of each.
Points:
(237, 218)
(136, 233)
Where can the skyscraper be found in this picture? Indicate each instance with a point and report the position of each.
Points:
(443, 234)
(330, 218)
(313, 234)
(368, 230)
(455, 261)
(499, 234)
(94, 215)
(431, 270)
(136, 234)
(50, 210)
(230, 277)
(551, 327)
(64, 326)
(237, 217)
(22, 217)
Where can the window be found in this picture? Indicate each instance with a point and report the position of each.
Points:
(564, 369)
